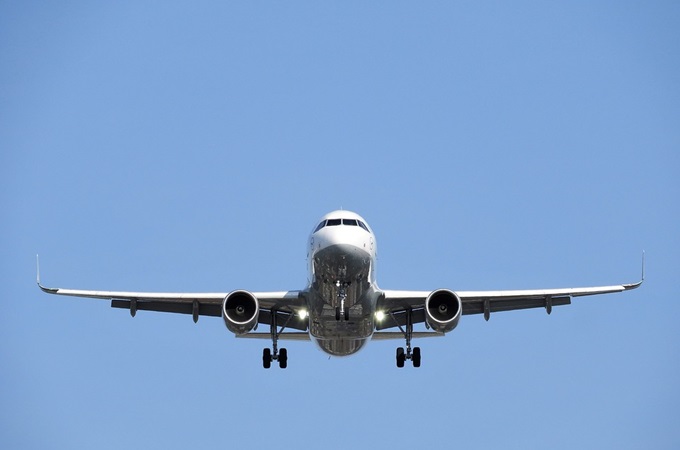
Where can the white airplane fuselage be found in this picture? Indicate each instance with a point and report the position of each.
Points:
(342, 291)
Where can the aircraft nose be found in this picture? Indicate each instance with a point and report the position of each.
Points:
(343, 236)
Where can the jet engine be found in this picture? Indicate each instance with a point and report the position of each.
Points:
(240, 311)
(443, 309)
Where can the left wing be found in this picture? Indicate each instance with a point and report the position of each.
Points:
(396, 303)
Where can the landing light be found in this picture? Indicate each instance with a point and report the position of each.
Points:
(379, 316)
(302, 314)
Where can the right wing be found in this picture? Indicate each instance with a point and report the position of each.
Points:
(285, 304)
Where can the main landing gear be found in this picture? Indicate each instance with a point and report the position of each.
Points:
(281, 356)
(274, 354)
(402, 356)
(412, 354)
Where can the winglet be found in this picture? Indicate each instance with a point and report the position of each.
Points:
(37, 278)
(642, 276)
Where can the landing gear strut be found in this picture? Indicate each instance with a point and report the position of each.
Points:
(274, 354)
(341, 311)
(412, 354)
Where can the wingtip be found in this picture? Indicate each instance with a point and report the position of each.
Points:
(630, 286)
(37, 278)
(642, 277)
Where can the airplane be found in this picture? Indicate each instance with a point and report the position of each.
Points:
(342, 308)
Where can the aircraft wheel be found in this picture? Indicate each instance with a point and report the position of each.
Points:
(401, 357)
(283, 358)
(266, 358)
(337, 314)
(347, 315)
(416, 357)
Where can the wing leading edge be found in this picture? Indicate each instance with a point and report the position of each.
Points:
(285, 304)
(196, 304)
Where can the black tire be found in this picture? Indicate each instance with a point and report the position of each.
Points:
(337, 314)
(266, 358)
(401, 357)
(416, 357)
(347, 315)
(283, 358)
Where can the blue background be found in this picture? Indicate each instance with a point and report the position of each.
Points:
(192, 146)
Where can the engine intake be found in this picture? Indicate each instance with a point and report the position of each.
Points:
(240, 311)
(443, 309)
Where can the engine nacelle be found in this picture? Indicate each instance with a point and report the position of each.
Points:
(240, 311)
(443, 309)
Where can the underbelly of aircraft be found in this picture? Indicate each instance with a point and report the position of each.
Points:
(340, 347)
(342, 300)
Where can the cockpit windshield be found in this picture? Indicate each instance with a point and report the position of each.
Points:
(337, 222)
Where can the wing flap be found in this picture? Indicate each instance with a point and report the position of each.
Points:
(204, 309)
(477, 306)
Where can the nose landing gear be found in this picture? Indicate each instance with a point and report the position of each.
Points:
(341, 311)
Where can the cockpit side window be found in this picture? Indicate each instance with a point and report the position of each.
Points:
(333, 222)
(321, 225)
(363, 225)
(351, 222)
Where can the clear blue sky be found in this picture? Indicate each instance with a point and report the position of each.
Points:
(192, 146)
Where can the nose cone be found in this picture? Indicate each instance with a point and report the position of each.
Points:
(342, 254)
(341, 238)
(343, 235)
